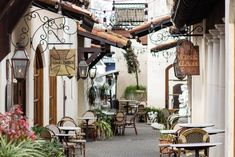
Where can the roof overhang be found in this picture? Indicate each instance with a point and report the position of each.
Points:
(165, 46)
(70, 10)
(11, 12)
(155, 24)
(189, 12)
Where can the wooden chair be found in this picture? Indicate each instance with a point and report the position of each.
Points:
(193, 135)
(130, 122)
(119, 122)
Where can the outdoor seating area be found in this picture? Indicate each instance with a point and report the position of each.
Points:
(190, 138)
(117, 78)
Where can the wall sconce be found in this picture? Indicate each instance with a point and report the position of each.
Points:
(20, 62)
(83, 69)
(92, 72)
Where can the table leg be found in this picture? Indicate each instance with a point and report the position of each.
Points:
(197, 153)
(87, 128)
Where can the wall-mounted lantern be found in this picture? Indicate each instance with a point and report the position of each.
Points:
(20, 62)
(83, 69)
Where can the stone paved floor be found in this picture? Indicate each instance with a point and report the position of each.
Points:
(130, 145)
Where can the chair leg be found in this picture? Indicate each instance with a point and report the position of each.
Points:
(135, 129)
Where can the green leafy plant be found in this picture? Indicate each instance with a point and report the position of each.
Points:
(105, 128)
(131, 92)
(51, 148)
(15, 148)
(104, 124)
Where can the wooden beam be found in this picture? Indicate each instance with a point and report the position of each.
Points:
(4, 7)
(16, 11)
(4, 38)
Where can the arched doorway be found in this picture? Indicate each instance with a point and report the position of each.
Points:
(38, 88)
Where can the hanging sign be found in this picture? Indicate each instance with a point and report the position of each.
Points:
(188, 58)
(62, 62)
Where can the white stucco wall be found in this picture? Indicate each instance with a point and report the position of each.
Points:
(229, 77)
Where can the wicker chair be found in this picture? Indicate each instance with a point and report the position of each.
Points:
(119, 123)
(193, 135)
(141, 113)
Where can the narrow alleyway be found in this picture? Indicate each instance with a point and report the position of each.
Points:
(142, 145)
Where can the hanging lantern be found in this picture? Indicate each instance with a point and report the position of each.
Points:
(83, 69)
(92, 72)
(20, 62)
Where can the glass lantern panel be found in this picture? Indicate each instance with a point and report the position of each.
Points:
(20, 67)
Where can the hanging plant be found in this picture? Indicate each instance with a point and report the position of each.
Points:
(92, 95)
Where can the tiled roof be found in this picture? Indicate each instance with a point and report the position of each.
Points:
(155, 24)
(164, 46)
(66, 7)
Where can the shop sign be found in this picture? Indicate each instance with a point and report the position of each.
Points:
(62, 62)
(188, 58)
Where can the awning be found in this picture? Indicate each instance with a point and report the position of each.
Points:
(70, 10)
(155, 24)
(189, 12)
(105, 37)
(10, 13)
(164, 46)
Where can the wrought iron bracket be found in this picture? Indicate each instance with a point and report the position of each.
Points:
(47, 32)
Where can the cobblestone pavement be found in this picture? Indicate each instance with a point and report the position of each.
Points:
(130, 145)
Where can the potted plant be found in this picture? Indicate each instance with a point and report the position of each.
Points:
(103, 125)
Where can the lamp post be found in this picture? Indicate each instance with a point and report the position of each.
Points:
(20, 62)
(83, 69)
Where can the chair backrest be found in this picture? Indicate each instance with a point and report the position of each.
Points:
(141, 109)
(67, 118)
(53, 128)
(47, 134)
(119, 116)
(68, 123)
(193, 135)
(89, 114)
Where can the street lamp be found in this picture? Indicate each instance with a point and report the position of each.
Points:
(83, 69)
(92, 72)
(20, 62)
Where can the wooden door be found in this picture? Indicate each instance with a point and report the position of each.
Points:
(19, 94)
(53, 100)
(38, 96)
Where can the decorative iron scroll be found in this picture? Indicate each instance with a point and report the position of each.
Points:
(188, 58)
(173, 33)
(62, 62)
(48, 28)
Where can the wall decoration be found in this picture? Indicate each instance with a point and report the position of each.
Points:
(62, 62)
(188, 58)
